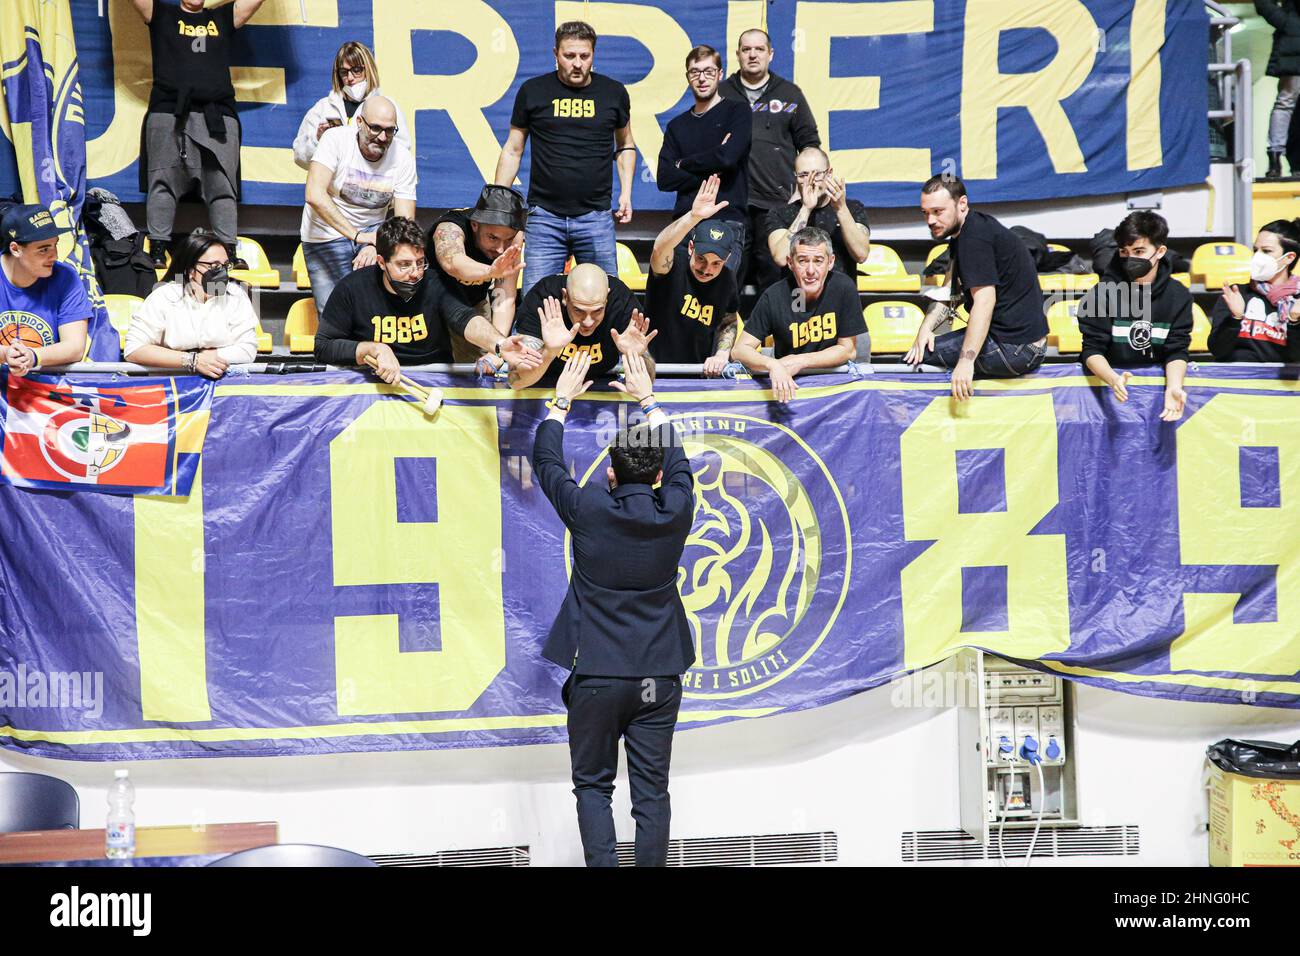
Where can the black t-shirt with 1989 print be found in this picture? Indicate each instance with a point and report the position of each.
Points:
(604, 353)
(837, 314)
(686, 312)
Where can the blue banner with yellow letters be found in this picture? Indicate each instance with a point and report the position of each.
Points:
(347, 574)
(1026, 100)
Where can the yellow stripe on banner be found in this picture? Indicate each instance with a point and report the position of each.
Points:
(385, 728)
(169, 564)
(1187, 680)
(258, 84)
(1146, 37)
(191, 428)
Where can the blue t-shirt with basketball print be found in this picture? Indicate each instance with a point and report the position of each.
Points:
(33, 315)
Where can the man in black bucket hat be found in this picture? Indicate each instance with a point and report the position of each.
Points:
(478, 253)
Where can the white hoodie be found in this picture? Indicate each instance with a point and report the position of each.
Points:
(328, 108)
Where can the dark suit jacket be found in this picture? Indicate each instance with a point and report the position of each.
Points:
(622, 615)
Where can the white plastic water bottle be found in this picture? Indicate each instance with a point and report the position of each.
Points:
(119, 841)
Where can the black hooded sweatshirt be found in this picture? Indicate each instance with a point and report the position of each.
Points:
(783, 126)
(1260, 335)
(1130, 325)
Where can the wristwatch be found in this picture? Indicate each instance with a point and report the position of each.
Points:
(561, 403)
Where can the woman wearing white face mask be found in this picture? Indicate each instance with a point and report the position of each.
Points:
(356, 77)
(1261, 322)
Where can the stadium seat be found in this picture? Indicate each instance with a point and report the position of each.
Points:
(300, 274)
(1200, 329)
(629, 270)
(935, 253)
(884, 272)
(893, 326)
(1063, 326)
(120, 310)
(300, 326)
(1184, 277)
(1217, 263)
(265, 344)
(259, 272)
(37, 801)
(1065, 281)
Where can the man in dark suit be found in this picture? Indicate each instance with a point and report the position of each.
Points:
(621, 631)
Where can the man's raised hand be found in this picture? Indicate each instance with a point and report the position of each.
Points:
(706, 203)
(633, 339)
(555, 334)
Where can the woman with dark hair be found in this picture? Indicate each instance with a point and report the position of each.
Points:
(1258, 324)
(1137, 314)
(355, 78)
(202, 322)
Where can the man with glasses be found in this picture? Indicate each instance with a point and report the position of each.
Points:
(398, 312)
(820, 200)
(354, 178)
(710, 139)
(578, 121)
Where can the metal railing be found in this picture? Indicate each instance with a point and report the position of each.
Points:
(1233, 79)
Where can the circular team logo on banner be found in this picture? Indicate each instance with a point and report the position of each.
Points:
(766, 567)
(31, 330)
(1139, 335)
(81, 444)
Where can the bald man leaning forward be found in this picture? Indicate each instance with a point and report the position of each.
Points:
(585, 311)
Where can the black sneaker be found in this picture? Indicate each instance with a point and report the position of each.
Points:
(158, 253)
(1274, 166)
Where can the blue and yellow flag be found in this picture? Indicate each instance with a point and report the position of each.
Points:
(41, 114)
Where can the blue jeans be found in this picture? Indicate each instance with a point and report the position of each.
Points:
(550, 239)
(327, 264)
(996, 360)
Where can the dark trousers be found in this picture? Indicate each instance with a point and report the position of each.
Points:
(996, 360)
(643, 711)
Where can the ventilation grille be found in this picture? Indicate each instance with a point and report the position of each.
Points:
(922, 846)
(764, 850)
(491, 856)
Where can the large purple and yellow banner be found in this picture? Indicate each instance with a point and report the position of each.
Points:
(347, 574)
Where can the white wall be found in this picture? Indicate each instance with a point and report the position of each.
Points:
(862, 767)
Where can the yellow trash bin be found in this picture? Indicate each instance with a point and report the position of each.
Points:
(1254, 803)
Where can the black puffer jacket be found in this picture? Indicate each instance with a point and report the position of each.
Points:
(1284, 17)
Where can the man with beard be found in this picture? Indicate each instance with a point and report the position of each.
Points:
(398, 313)
(691, 294)
(710, 139)
(478, 254)
(994, 275)
(578, 121)
(813, 316)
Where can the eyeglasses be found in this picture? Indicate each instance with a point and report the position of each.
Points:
(346, 71)
(377, 131)
(705, 74)
(814, 173)
(201, 267)
(406, 268)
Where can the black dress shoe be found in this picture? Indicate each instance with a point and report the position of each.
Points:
(1274, 166)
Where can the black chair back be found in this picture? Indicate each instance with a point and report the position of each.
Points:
(35, 801)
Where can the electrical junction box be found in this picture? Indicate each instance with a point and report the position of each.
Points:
(1007, 702)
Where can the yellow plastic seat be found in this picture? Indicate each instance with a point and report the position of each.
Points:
(893, 326)
(884, 272)
(629, 270)
(300, 326)
(1218, 263)
(121, 309)
(1063, 326)
(259, 272)
(300, 275)
(1200, 329)
(935, 253)
(1184, 277)
(1065, 281)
